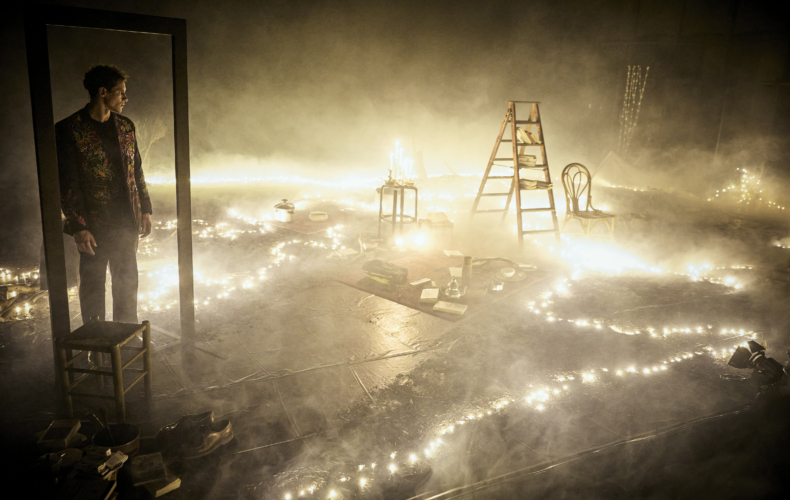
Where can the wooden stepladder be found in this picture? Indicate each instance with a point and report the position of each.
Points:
(521, 136)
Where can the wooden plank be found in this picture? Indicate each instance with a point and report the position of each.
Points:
(186, 283)
(39, 79)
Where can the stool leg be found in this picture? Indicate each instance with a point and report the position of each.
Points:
(68, 358)
(149, 376)
(101, 364)
(65, 385)
(117, 382)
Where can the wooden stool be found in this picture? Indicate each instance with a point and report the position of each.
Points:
(105, 337)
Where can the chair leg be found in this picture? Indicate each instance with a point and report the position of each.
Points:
(117, 382)
(149, 376)
(65, 385)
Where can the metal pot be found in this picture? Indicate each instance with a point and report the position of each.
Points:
(119, 437)
(284, 211)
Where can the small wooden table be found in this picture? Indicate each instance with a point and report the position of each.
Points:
(397, 216)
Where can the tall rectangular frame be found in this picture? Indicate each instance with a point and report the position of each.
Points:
(37, 18)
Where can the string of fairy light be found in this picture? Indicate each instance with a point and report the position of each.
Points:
(748, 191)
(354, 480)
(165, 278)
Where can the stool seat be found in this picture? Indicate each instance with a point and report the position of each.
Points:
(101, 336)
(111, 338)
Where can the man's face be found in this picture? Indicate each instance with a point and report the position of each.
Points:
(114, 99)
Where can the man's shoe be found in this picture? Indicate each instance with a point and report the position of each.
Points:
(207, 439)
(171, 437)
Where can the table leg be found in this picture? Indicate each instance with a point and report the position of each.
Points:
(402, 200)
(394, 212)
(381, 207)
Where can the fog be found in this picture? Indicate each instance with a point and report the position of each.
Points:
(304, 101)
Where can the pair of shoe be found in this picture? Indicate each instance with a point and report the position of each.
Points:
(194, 436)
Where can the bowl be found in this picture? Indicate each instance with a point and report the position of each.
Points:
(507, 272)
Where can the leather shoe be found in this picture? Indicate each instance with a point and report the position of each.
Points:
(207, 438)
(171, 437)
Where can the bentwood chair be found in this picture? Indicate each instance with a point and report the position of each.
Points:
(577, 183)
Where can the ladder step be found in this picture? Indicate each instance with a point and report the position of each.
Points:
(504, 159)
(537, 210)
(527, 122)
(500, 177)
(522, 166)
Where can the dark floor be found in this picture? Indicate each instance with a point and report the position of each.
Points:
(617, 393)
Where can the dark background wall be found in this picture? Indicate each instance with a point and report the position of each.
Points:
(323, 89)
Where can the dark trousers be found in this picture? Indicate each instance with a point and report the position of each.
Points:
(118, 247)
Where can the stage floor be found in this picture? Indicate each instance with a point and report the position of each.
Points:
(334, 388)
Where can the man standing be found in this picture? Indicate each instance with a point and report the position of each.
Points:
(103, 194)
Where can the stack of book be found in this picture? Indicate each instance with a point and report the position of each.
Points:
(60, 434)
(526, 136)
(534, 184)
(149, 471)
(527, 160)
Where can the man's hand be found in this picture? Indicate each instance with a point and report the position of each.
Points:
(85, 242)
(147, 225)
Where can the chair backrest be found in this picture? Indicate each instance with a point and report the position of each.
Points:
(577, 183)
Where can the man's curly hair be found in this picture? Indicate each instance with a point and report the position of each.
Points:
(102, 76)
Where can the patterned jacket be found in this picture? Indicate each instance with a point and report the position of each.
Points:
(85, 175)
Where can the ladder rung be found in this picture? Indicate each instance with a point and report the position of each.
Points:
(504, 159)
(519, 143)
(537, 210)
(541, 231)
(522, 166)
(499, 177)
(527, 121)
(494, 194)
